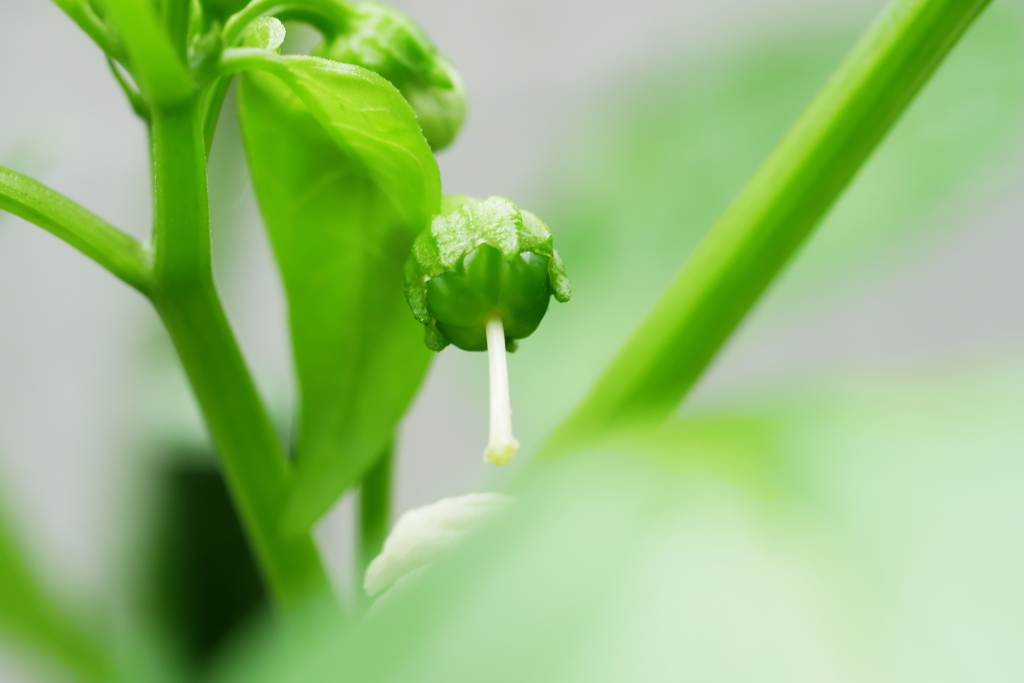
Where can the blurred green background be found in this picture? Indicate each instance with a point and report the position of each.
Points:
(844, 487)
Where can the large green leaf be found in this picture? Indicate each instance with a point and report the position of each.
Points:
(345, 181)
(873, 537)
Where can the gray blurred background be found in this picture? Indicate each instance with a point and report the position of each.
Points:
(88, 383)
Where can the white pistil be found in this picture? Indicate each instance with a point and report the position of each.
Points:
(501, 445)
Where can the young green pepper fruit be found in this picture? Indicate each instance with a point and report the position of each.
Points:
(481, 277)
(388, 42)
(480, 257)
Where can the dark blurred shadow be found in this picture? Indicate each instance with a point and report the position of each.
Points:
(202, 584)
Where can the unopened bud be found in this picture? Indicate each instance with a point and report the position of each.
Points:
(389, 43)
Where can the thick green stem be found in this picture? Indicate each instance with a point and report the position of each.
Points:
(184, 294)
(773, 216)
(181, 221)
(374, 509)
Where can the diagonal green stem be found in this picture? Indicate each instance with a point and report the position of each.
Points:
(119, 253)
(135, 98)
(773, 216)
(82, 14)
(184, 295)
(155, 63)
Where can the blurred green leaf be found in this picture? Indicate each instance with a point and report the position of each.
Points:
(345, 181)
(30, 613)
(202, 585)
(648, 177)
(740, 449)
(888, 553)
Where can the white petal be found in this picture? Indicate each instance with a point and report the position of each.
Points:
(422, 534)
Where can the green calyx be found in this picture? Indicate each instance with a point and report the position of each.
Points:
(389, 43)
(477, 258)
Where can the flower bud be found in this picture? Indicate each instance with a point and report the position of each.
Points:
(388, 42)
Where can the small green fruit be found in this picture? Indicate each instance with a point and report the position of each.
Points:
(481, 277)
(479, 258)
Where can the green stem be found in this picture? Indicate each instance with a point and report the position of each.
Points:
(81, 13)
(185, 296)
(119, 253)
(175, 20)
(213, 103)
(238, 59)
(773, 216)
(135, 98)
(326, 15)
(374, 510)
(155, 63)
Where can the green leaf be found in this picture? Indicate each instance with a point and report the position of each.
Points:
(152, 59)
(887, 551)
(30, 613)
(345, 181)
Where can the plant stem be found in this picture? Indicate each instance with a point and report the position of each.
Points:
(119, 253)
(185, 296)
(135, 98)
(175, 20)
(374, 510)
(213, 103)
(773, 216)
(156, 66)
(82, 14)
(326, 15)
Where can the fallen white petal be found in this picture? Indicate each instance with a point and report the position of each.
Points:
(422, 534)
